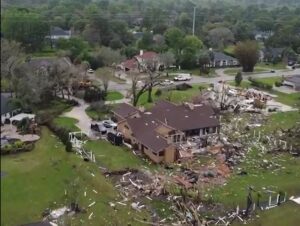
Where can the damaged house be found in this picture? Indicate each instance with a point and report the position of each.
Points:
(159, 132)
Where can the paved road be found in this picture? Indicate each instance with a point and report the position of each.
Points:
(220, 76)
(84, 121)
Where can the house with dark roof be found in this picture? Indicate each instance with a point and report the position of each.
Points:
(160, 132)
(293, 82)
(270, 54)
(8, 109)
(219, 59)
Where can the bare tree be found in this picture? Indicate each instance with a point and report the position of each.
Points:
(84, 66)
(104, 74)
(137, 89)
(167, 59)
(11, 57)
(153, 76)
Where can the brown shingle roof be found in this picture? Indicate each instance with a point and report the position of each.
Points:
(143, 129)
(124, 110)
(184, 118)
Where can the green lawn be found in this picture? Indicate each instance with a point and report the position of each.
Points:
(111, 77)
(292, 99)
(114, 95)
(234, 71)
(278, 66)
(244, 84)
(270, 80)
(285, 215)
(38, 179)
(229, 49)
(176, 96)
(54, 108)
(286, 179)
(114, 157)
(67, 123)
(98, 114)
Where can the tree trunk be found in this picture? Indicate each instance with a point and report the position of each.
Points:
(150, 95)
(68, 92)
(62, 93)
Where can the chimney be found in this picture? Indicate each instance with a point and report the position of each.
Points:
(141, 52)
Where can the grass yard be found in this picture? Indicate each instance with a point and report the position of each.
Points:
(176, 96)
(292, 99)
(229, 49)
(38, 179)
(111, 77)
(285, 215)
(234, 71)
(98, 114)
(278, 66)
(114, 157)
(282, 120)
(286, 178)
(114, 95)
(67, 123)
(54, 108)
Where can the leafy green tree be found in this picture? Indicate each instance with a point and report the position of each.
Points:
(247, 54)
(26, 27)
(204, 60)
(174, 38)
(191, 47)
(76, 47)
(146, 42)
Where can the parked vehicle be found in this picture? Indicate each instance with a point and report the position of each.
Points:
(99, 128)
(115, 138)
(109, 124)
(272, 71)
(183, 77)
(90, 70)
(166, 82)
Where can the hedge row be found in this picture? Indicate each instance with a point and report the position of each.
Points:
(17, 147)
(260, 84)
(61, 133)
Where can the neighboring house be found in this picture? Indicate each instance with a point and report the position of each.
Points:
(137, 34)
(262, 35)
(219, 59)
(271, 54)
(160, 132)
(138, 62)
(57, 33)
(8, 110)
(292, 81)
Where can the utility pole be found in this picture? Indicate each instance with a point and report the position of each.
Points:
(194, 21)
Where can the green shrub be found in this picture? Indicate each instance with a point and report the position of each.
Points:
(62, 134)
(183, 86)
(278, 83)
(260, 84)
(93, 93)
(158, 93)
(16, 147)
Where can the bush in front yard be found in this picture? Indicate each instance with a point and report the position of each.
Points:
(62, 134)
(16, 147)
(158, 93)
(183, 86)
(260, 84)
(278, 83)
